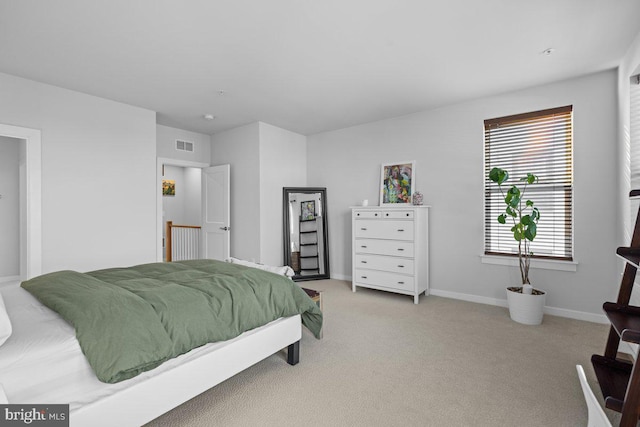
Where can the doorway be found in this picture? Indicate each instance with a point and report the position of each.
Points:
(214, 203)
(11, 171)
(215, 207)
(181, 199)
(162, 165)
(25, 200)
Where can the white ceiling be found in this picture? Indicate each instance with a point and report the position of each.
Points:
(307, 65)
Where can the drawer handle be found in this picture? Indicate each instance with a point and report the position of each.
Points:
(401, 249)
(401, 266)
(375, 214)
(363, 229)
(386, 214)
(400, 229)
(363, 247)
(400, 283)
(363, 262)
(363, 277)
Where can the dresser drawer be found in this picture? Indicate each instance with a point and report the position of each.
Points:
(385, 263)
(398, 214)
(367, 214)
(384, 279)
(384, 247)
(384, 229)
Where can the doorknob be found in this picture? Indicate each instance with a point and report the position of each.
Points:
(225, 228)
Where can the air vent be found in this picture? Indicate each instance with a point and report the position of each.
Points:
(184, 145)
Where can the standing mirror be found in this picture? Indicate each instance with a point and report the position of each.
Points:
(305, 232)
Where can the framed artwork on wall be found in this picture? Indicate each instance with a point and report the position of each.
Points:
(397, 182)
(168, 187)
(308, 210)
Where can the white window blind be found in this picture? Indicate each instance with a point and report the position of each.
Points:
(635, 133)
(633, 148)
(539, 142)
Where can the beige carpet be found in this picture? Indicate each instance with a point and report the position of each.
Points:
(387, 362)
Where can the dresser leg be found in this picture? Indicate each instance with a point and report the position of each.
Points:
(416, 298)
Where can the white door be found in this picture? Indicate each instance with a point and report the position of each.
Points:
(216, 230)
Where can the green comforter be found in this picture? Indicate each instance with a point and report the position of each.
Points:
(130, 320)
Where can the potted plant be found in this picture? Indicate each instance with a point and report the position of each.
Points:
(525, 303)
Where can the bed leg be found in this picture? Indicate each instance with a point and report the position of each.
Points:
(293, 353)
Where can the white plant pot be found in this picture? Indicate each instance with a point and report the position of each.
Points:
(526, 309)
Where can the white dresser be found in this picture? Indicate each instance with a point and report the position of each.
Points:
(391, 249)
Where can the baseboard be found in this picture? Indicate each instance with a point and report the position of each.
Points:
(468, 297)
(578, 315)
(9, 281)
(553, 311)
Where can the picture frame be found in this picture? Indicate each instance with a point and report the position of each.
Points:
(308, 210)
(397, 183)
(168, 187)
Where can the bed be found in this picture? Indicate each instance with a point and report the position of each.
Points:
(43, 361)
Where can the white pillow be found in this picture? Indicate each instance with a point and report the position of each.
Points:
(283, 271)
(5, 324)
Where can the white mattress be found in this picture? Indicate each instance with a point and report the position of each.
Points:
(41, 362)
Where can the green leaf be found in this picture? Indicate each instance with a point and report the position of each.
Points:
(511, 212)
(498, 175)
(517, 235)
(536, 212)
(531, 178)
(526, 220)
(513, 197)
(501, 219)
(530, 232)
(529, 203)
(514, 191)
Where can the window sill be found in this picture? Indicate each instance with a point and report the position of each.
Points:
(545, 264)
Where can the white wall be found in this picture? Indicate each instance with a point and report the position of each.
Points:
(98, 174)
(263, 160)
(192, 196)
(9, 207)
(283, 163)
(240, 148)
(447, 144)
(166, 144)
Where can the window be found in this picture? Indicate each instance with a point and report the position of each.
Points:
(635, 133)
(539, 142)
(634, 152)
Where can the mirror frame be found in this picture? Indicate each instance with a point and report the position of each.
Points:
(286, 227)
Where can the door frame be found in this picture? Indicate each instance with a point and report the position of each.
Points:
(160, 161)
(31, 218)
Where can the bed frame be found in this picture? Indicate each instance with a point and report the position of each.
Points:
(151, 398)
